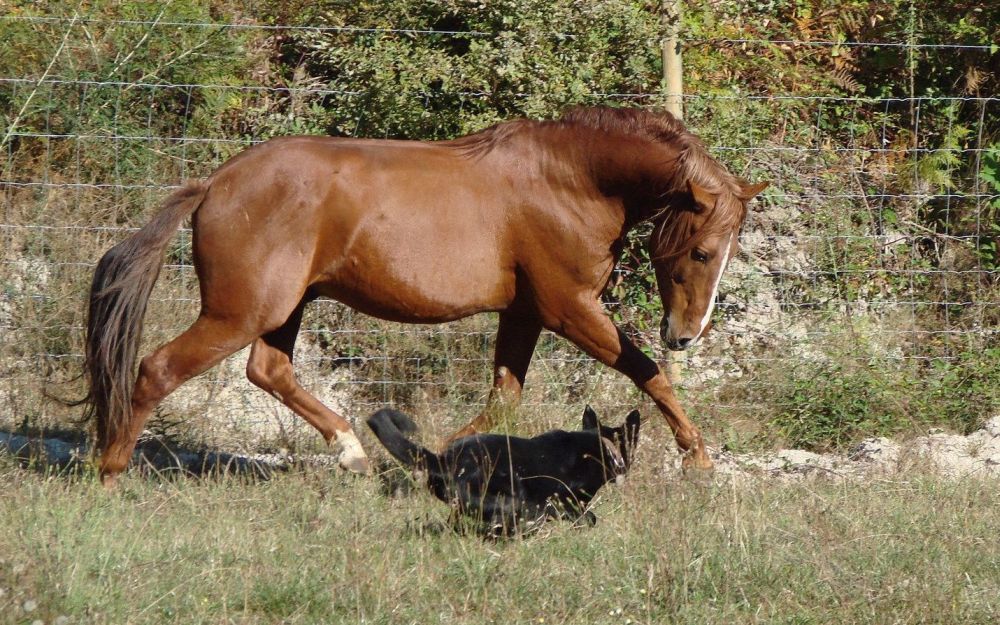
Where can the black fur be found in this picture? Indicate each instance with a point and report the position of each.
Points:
(509, 483)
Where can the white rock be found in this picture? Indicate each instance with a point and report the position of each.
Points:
(877, 449)
(992, 427)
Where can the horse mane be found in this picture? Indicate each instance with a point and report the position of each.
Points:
(488, 139)
(675, 230)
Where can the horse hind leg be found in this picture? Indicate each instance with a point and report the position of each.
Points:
(207, 342)
(270, 368)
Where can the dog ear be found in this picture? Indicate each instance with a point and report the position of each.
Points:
(590, 420)
(632, 427)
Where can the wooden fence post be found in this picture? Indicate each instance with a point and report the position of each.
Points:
(672, 68)
(673, 85)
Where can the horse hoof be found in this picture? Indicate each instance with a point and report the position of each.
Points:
(357, 465)
(698, 467)
(352, 456)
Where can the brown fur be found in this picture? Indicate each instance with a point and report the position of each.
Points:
(525, 218)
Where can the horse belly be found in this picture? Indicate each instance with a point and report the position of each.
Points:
(423, 264)
(401, 233)
(419, 286)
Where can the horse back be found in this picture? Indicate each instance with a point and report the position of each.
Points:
(401, 230)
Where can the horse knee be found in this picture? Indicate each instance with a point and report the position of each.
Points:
(257, 374)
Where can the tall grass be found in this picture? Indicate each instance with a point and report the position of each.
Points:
(315, 547)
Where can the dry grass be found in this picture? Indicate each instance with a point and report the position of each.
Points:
(312, 547)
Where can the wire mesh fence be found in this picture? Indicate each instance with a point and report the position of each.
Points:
(875, 249)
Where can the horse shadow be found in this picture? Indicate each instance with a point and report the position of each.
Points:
(66, 452)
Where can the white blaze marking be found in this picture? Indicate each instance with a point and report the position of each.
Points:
(715, 290)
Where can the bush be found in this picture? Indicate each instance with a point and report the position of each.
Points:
(841, 398)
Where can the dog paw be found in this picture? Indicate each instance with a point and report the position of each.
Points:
(587, 519)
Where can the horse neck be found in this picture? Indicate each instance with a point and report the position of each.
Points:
(641, 173)
(623, 177)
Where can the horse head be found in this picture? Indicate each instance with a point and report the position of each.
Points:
(690, 247)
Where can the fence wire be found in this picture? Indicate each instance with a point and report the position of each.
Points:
(834, 259)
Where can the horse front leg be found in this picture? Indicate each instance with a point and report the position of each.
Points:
(516, 338)
(588, 326)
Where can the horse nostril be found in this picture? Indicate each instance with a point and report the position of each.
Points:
(677, 344)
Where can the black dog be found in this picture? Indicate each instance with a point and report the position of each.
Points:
(511, 484)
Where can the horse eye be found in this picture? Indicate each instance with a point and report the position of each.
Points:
(699, 256)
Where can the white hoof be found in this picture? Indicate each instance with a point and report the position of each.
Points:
(352, 456)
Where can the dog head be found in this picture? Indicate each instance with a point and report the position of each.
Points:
(619, 442)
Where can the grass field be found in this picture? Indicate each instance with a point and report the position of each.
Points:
(312, 546)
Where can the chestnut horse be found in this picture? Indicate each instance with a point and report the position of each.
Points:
(525, 218)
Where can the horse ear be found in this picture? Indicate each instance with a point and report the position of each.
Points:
(702, 196)
(590, 420)
(748, 191)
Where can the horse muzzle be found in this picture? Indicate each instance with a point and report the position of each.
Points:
(674, 343)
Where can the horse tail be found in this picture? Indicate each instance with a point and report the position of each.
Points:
(390, 427)
(119, 293)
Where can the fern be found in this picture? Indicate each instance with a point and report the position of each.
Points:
(845, 80)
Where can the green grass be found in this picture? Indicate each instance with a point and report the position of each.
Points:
(316, 547)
